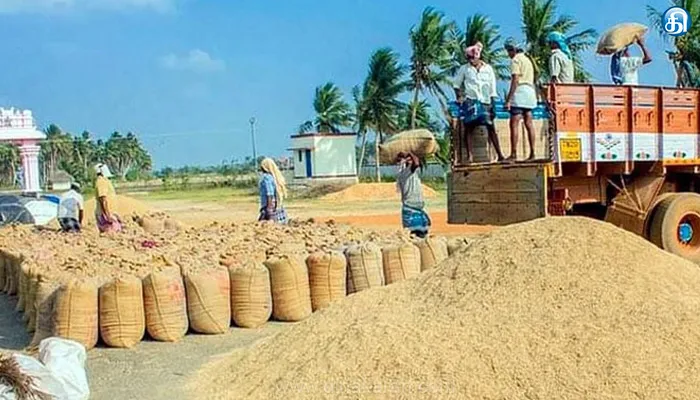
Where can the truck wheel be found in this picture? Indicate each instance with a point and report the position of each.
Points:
(675, 225)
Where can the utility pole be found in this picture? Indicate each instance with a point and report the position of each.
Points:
(252, 136)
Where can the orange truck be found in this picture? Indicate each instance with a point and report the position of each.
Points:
(629, 155)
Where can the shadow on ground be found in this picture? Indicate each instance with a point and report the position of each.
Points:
(13, 335)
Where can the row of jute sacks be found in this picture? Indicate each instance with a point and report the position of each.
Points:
(165, 304)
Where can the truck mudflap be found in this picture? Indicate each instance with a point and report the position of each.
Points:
(497, 194)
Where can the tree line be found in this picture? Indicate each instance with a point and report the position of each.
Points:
(77, 154)
(437, 52)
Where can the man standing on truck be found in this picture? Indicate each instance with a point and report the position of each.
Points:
(624, 68)
(475, 90)
(413, 215)
(522, 97)
(561, 64)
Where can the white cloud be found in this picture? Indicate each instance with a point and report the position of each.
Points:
(196, 60)
(47, 6)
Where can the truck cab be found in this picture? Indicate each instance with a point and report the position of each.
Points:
(627, 154)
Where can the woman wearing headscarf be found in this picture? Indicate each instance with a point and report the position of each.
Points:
(522, 97)
(273, 190)
(107, 220)
(624, 68)
(475, 89)
(561, 64)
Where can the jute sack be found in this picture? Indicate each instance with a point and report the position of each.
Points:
(620, 36)
(44, 302)
(30, 303)
(151, 224)
(433, 251)
(2, 271)
(12, 275)
(76, 312)
(209, 301)
(289, 279)
(251, 295)
(456, 245)
(365, 269)
(420, 142)
(122, 315)
(401, 262)
(327, 278)
(165, 305)
(23, 287)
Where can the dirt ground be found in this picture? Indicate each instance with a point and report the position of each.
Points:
(155, 370)
(200, 209)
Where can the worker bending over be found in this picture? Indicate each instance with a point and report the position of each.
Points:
(70, 209)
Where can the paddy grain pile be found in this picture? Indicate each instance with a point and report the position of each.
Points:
(554, 308)
(156, 276)
(371, 192)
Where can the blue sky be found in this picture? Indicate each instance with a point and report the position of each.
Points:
(187, 75)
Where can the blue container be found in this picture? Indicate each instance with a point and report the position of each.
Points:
(52, 198)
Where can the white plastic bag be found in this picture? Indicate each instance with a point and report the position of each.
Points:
(44, 380)
(66, 360)
(59, 372)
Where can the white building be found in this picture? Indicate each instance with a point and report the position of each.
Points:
(324, 157)
(18, 127)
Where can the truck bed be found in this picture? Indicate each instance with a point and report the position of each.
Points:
(497, 194)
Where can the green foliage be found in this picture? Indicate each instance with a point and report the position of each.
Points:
(539, 19)
(429, 45)
(687, 47)
(332, 112)
(125, 155)
(9, 162)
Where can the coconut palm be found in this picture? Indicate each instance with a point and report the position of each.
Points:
(478, 28)
(332, 112)
(54, 148)
(429, 44)
(360, 121)
(539, 18)
(420, 115)
(380, 105)
(687, 47)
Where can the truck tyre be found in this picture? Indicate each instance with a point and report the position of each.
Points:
(675, 225)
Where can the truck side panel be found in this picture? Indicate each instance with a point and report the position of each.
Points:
(497, 194)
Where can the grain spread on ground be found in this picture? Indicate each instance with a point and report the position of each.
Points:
(553, 308)
(373, 192)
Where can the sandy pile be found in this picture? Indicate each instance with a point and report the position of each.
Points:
(554, 308)
(123, 206)
(372, 191)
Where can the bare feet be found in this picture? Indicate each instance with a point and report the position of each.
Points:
(531, 158)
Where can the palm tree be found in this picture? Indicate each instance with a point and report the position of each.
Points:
(419, 115)
(332, 112)
(688, 45)
(539, 19)
(360, 122)
(125, 154)
(478, 28)
(380, 105)
(429, 43)
(54, 148)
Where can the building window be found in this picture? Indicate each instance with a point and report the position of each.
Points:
(300, 155)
